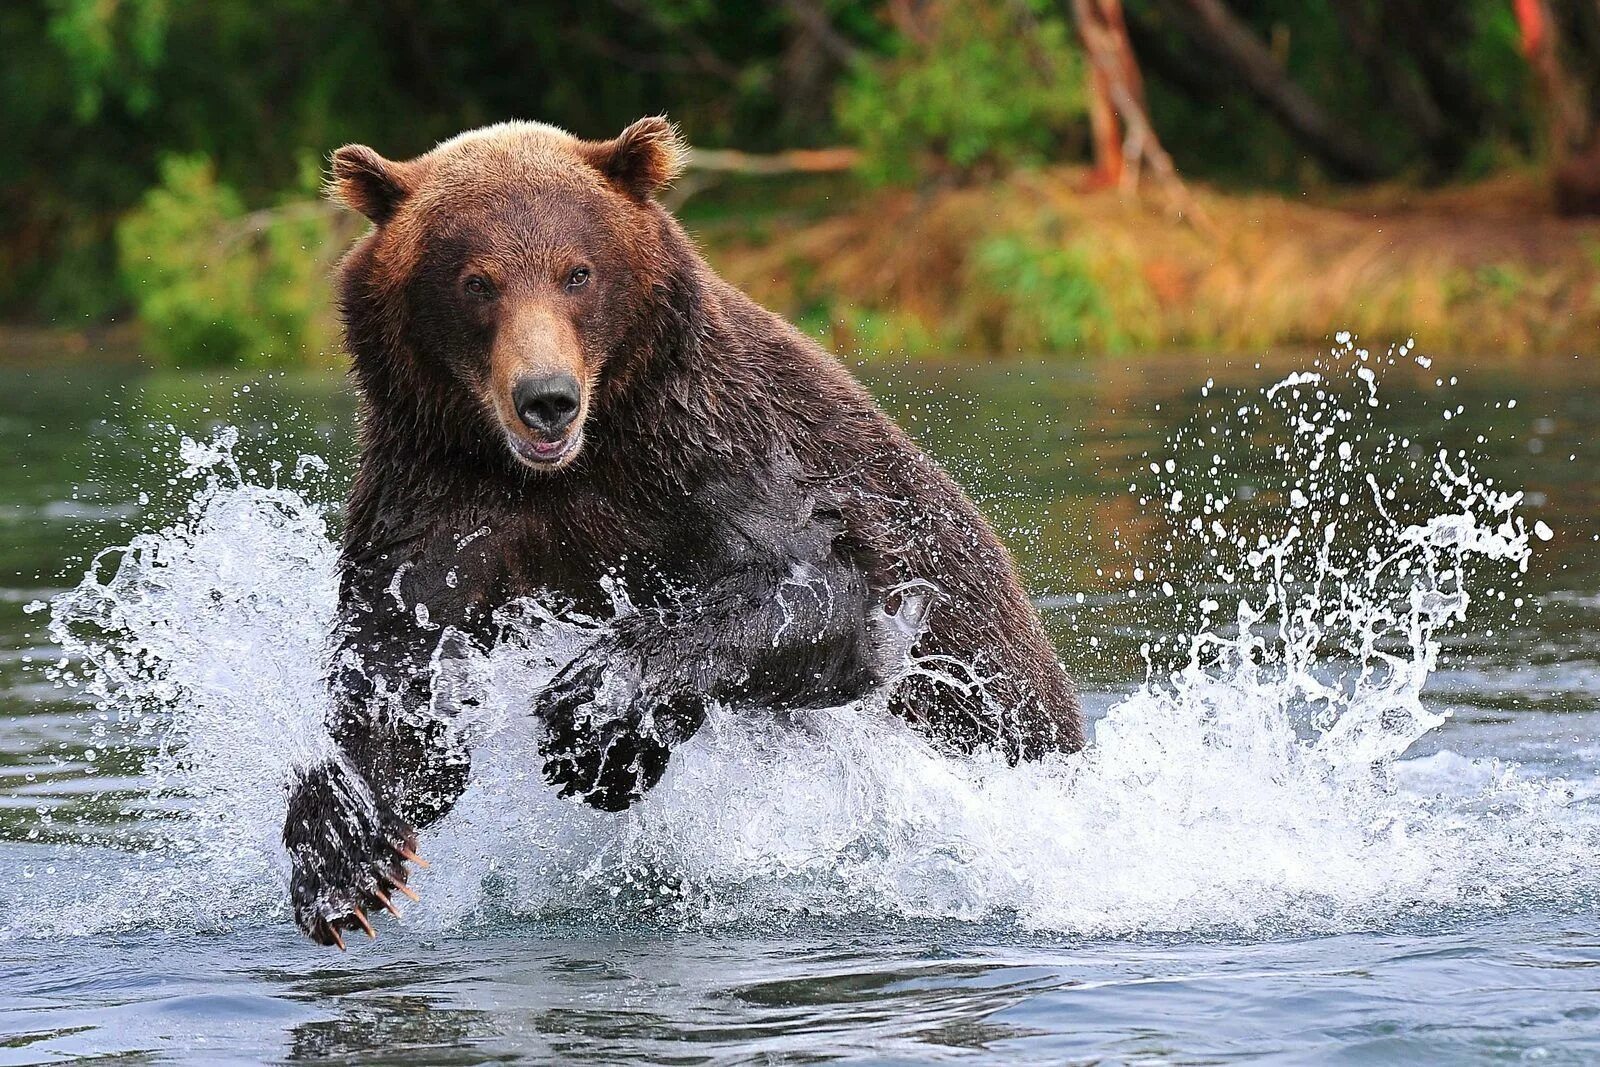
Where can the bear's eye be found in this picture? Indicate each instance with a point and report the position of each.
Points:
(578, 278)
(478, 285)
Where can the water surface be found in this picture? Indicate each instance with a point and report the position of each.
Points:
(1209, 889)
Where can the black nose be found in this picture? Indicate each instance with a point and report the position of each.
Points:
(547, 404)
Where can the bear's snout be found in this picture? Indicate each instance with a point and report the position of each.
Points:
(547, 404)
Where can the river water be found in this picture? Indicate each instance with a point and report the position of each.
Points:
(1337, 620)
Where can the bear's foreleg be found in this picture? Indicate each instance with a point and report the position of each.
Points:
(353, 819)
(789, 626)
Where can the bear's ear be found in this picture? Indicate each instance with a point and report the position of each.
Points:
(366, 181)
(643, 158)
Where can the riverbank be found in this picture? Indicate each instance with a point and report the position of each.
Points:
(1028, 264)
(1033, 264)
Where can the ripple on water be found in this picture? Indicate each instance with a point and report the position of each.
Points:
(1261, 787)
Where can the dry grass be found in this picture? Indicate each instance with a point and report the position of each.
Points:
(1479, 269)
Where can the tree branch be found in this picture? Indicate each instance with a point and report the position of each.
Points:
(1341, 150)
(813, 18)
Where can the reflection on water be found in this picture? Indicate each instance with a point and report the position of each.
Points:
(1061, 457)
(1483, 992)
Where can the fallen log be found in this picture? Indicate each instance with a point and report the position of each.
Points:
(793, 161)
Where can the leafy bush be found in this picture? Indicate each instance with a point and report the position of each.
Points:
(1035, 292)
(985, 88)
(215, 284)
(111, 50)
(852, 330)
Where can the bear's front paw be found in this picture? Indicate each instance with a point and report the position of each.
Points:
(607, 736)
(348, 850)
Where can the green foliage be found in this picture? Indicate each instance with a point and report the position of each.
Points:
(111, 48)
(992, 86)
(214, 284)
(113, 107)
(872, 333)
(1502, 284)
(98, 92)
(1044, 296)
(1462, 57)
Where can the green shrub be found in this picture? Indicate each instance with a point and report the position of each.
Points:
(990, 87)
(216, 284)
(1045, 295)
(854, 331)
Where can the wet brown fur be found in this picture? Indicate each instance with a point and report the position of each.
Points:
(712, 430)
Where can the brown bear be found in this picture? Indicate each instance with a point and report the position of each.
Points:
(559, 396)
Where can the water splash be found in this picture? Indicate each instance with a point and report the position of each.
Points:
(1259, 783)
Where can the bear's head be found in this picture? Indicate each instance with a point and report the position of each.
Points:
(510, 280)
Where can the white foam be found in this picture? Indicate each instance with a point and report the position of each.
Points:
(1262, 784)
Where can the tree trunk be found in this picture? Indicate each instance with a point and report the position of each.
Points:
(1565, 122)
(1104, 40)
(1404, 90)
(1342, 151)
(1125, 141)
(1561, 40)
(1431, 33)
(814, 54)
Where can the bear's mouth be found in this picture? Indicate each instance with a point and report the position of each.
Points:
(545, 455)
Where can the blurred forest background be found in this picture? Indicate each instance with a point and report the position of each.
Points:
(920, 176)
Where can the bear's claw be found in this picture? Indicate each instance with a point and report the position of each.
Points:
(346, 846)
(388, 905)
(406, 853)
